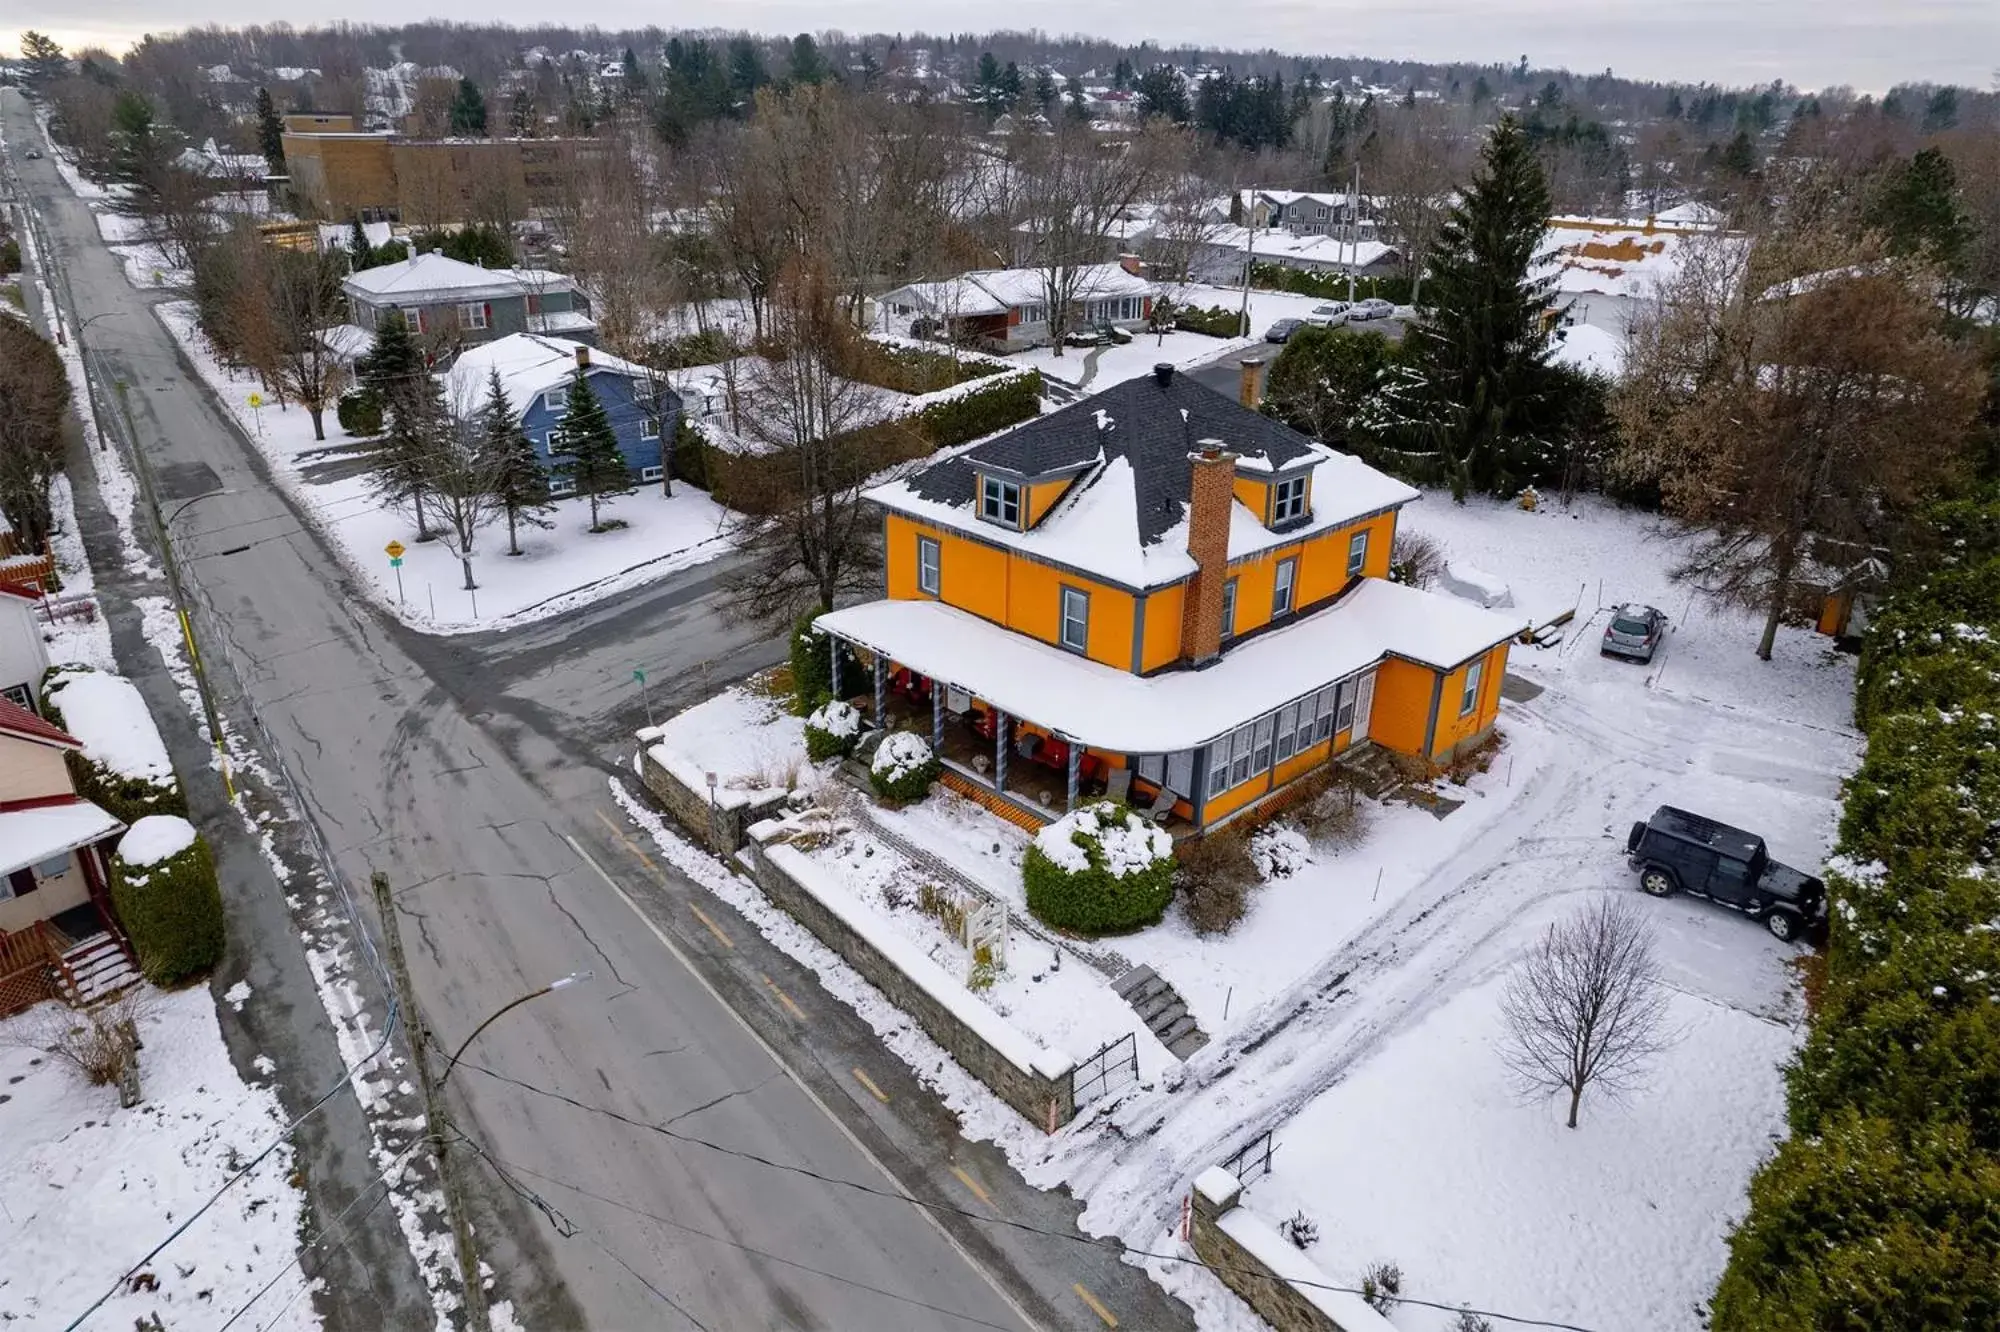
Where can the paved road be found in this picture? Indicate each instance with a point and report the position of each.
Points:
(473, 772)
(1222, 373)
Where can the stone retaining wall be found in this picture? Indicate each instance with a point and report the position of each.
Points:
(1264, 1268)
(721, 826)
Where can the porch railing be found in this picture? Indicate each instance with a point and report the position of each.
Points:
(29, 960)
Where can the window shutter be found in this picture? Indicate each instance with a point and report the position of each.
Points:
(489, 314)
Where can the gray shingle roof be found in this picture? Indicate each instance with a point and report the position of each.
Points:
(1152, 425)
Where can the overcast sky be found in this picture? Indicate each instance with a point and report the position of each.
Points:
(1870, 44)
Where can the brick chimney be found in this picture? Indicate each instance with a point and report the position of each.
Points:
(1211, 492)
(582, 357)
(1250, 384)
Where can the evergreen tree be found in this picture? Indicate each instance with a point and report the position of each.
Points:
(521, 118)
(746, 72)
(1162, 92)
(1479, 353)
(1079, 100)
(807, 65)
(1121, 74)
(468, 110)
(1740, 157)
(594, 462)
(359, 253)
(1917, 208)
(988, 85)
(44, 57)
(1011, 85)
(635, 76)
(520, 481)
(413, 411)
(270, 132)
(1046, 93)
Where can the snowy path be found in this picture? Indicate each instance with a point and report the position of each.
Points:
(1606, 753)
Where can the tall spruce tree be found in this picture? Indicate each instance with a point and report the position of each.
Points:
(413, 410)
(1479, 353)
(468, 110)
(520, 481)
(359, 253)
(270, 132)
(594, 462)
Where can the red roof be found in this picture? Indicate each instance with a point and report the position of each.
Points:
(20, 590)
(17, 720)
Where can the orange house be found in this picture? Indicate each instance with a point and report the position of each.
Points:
(1165, 591)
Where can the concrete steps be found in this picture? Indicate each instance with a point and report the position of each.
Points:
(96, 969)
(1162, 1009)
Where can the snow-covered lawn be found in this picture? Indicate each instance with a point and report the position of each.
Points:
(1427, 1156)
(559, 568)
(87, 1188)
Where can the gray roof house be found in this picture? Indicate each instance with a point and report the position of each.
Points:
(440, 295)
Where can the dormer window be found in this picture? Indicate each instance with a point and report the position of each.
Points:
(1288, 500)
(1000, 501)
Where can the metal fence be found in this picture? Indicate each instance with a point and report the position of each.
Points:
(1112, 1068)
(1253, 1160)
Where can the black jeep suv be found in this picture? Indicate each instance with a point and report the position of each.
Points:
(1675, 851)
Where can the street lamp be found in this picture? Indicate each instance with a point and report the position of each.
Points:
(508, 1007)
(182, 507)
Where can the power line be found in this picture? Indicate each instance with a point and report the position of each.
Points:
(953, 1209)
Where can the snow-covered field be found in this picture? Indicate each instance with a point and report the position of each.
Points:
(558, 569)
(87, 1188)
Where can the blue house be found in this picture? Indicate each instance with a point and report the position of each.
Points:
(537, 371)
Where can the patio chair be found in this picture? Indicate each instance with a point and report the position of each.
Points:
(1163, 805)
(1118, 784)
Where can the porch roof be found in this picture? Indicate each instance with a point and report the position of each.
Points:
(31, 836)
(1101, 706)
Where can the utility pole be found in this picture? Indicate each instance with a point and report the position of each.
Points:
(164, 539)
(477, 1317)
(1354, 230)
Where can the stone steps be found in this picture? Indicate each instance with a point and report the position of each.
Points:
(1162, 1009)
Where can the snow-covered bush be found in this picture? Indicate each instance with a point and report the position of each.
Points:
(831, 730)
(163, 885)
(1382, 1286)
(1100, 868)
(1279, 851)
(1300, 1229)
(903, 767)
(124, 765)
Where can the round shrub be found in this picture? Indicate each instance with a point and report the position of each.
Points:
(360, 412)
(1100, 868)
(831, 730)
(163, 886)
(903, 767)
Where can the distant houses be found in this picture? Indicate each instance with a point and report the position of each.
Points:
(536, 373)
(1007, 308)
(436, 294)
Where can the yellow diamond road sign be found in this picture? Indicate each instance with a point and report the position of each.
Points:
(256, 400)
(395, 549)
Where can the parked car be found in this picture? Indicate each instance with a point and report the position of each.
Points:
(33, 154)
(1635, 632)
(1330, 315)
(1678, 852)
(1372, 307)
(1282, 330)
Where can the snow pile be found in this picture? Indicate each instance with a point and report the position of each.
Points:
(840, 719)
(1475, 584)
(106, 712)
(1279, 851)
(900, 755)
(742, 735)
(1129, 843)
(87, 1188)
(155, 838)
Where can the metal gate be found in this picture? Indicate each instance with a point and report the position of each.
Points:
(1253, 1160)
(1114, 1067)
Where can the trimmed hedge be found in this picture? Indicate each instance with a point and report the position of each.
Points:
(1882, 1210)
(1215, 321)
(1094, 898)
(982, 411)
(903, 767)
(127, 799)
(1328, 286)
(913, 370)
(172, 910)
(360, 413)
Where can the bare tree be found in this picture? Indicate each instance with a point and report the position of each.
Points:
(1073, 188)
(1418, 159)
(304, 294)
(1586, 1008)
(461, 490)
(742, 214)
(604, 214)
(1189, 208)
(1791, 395)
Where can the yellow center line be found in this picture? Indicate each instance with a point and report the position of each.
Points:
(972, 1184)
(869, 1083)
(783, 998)
(630, 845)
(1096, 1305)
(713, 928)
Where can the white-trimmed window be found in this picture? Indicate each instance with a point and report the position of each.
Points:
(562, 485)
(19, 695)
(1288, 499)
(1468, 699)
(651, 473)
(928, 567)
(1034, 314)
(1343, 717)
(1282, 587)
(1357, 554)
(1075, 619)
(649, 428)
(1000, 501)
(1288, 727)
(1323, 712)
(472, 314)
(556, 400)
(644, 391)
(1229, 609)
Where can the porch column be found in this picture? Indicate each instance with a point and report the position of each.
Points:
(999, 750)
(833, 664)
(881, 691)
(1075, 773)
(937, 717)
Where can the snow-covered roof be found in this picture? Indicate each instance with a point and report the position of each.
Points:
(561, 321)
(1274, 245)
(1102, 706)
(16, 720)
(32, 836)
(1588, 347)
(529, 364)
(437, 277)
(1613, 258)
(1124, 517)
(997, 290)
